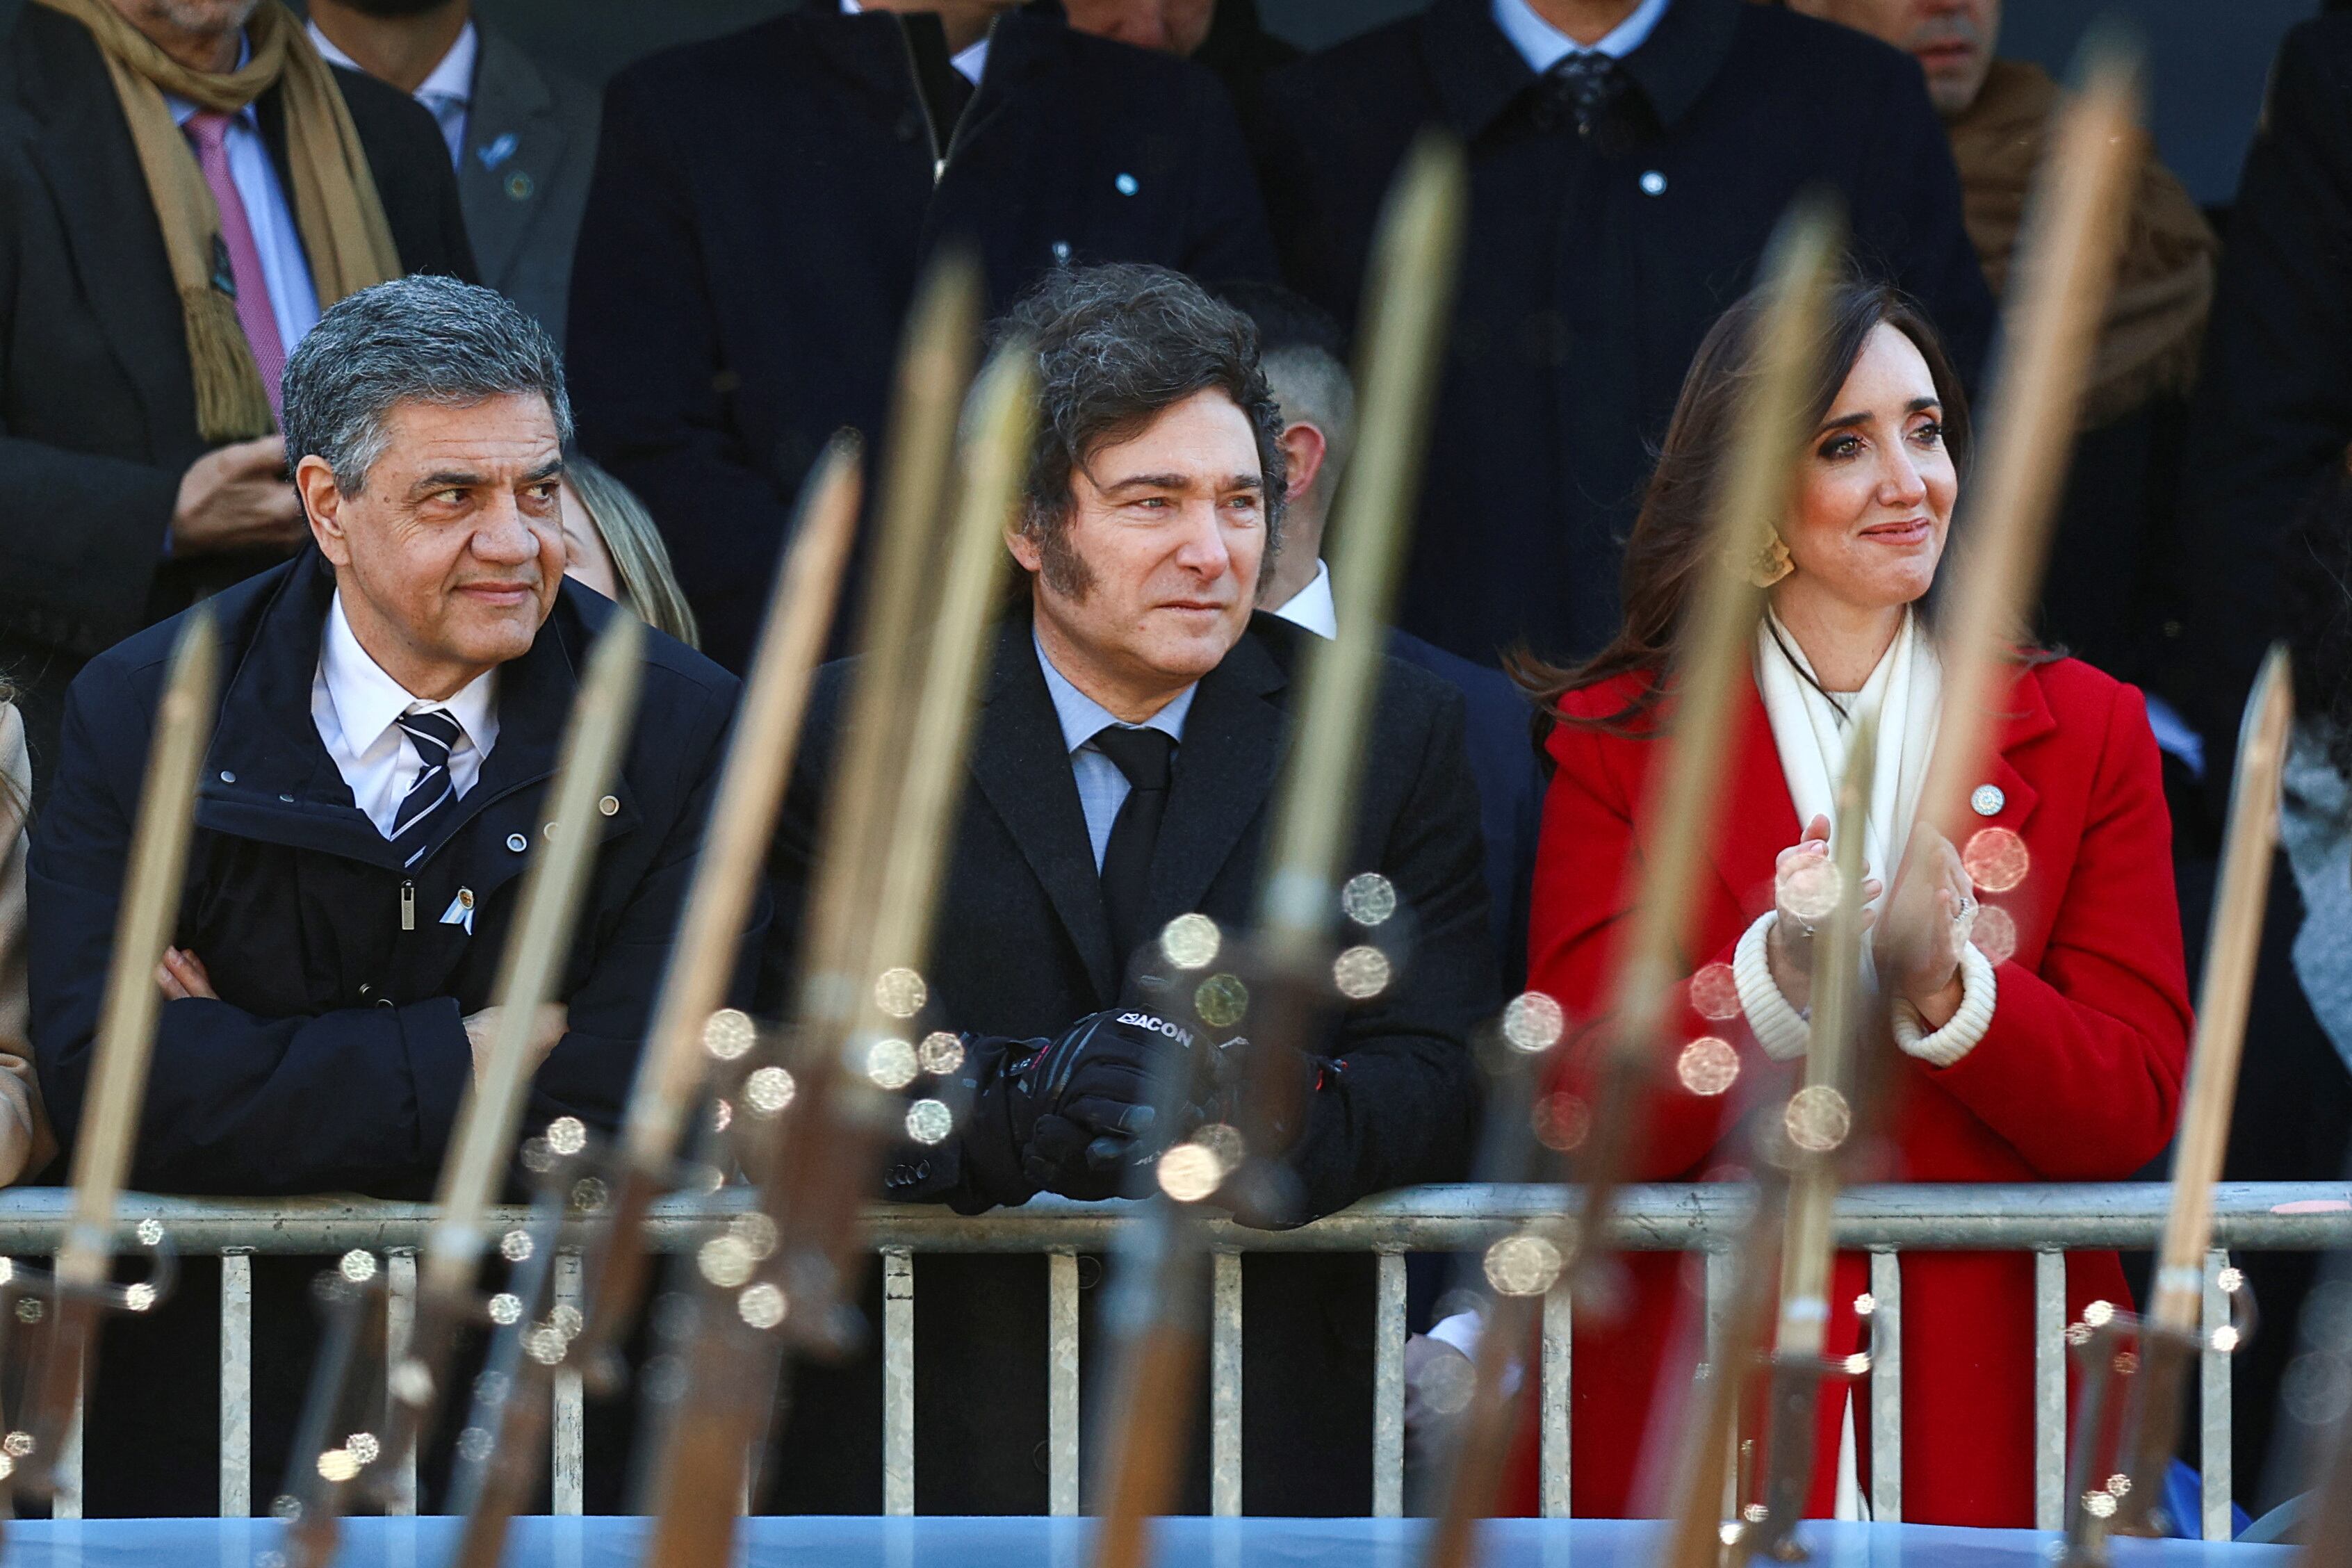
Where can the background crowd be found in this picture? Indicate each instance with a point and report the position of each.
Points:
(723, 245)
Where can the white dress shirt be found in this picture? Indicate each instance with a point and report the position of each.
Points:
(1312, 606)
(969, 63)
(1102, 788)
(1545, 46)
(447, 91)
(354, 703)
(293, 299)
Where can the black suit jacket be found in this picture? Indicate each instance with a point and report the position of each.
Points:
(1023, 949)
(97, 402)
(2272, 413)
(1594, 265)
(763, 204)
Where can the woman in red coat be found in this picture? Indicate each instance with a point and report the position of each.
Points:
(2043, 1035)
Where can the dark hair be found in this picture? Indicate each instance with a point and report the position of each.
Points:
(1663, 553)
(1286, 319)
(2317, 583)
(1116, 345)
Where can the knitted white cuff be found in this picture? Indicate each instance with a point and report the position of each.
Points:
(1966, 1025)
(1779, 1028)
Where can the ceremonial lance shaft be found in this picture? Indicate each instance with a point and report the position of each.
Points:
(688, 1023)
(2169, 1340)
(1716, 651)
(326, 1462)
(1816, 1131)
(1409, 304)
(782, 1274)
(109, 1130)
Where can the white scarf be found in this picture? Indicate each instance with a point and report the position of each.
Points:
(1810, 734)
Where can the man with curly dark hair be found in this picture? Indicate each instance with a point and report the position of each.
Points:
(1123, 774)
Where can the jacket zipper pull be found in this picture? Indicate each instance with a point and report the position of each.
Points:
(408, 906)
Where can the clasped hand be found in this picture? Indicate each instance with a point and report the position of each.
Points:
(1091, 1110)
(1917, 945)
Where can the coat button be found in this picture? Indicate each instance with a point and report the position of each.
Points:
(1987, 800)
(1654, 183)
(384, 1002)
(518, 843)
(610, 805)
(227, 777)
(1125, 184)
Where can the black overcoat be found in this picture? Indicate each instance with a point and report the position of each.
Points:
(1023, 949)
(1595, 263)
(2272, 413)
(98, 416)
(335, 1057)
(763, 204)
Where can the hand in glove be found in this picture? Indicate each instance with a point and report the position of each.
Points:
(1094, 1122)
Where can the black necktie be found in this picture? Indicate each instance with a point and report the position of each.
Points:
(433, 733)
(1582, 85)
(1143, 755)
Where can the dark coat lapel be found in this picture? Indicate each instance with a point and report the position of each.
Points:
(93, 171)
(511, 99)
(1022, 769)
(1232, 748)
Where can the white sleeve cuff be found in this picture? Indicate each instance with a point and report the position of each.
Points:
(1960, 1033)
(1779, 1028)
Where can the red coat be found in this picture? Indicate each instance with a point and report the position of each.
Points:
(2078, 1077)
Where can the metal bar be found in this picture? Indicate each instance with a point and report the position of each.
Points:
(237, 1385)
(2214, 1460)
(2049, 1390)
(1555, 1409)
(1388, 1388)
(399, 1322)
(897, 1382)
(1886, 1387)
(1226, 1388)
(2280, 1216)
(567, 1472)
(1062, 1383)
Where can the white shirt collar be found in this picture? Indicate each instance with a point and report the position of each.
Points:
(1545, 46)
(1312, 606)
(367, 699)
(452, 79)
(1082, 717)
(969, 63)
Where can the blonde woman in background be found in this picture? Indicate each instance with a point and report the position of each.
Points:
(26, 1144)
(616, 550)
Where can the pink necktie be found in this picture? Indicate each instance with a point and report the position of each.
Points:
(208, 129)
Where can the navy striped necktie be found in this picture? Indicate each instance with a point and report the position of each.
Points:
(433, 733)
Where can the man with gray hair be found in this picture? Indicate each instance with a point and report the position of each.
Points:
(388, 723)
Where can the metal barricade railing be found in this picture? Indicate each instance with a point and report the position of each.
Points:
(2049, 1221)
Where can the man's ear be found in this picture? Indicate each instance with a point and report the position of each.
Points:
(1026, 553)
(322, 504)
(1303, 450)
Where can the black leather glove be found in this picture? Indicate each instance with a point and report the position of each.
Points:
(1095, 1121)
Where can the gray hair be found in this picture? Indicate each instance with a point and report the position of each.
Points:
(1312, 385)
(422, 338)
(1116, 345)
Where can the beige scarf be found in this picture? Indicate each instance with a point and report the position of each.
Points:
(336, 208)
(2164, 281)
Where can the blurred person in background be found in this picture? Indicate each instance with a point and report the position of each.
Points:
(1305, 356)
(1628, 159)
(522, 133)
(26, 1143)
(616, 548)
(2034, 966)
(184, 184)
(2103, 595)
(1225, 36)
(765, 202)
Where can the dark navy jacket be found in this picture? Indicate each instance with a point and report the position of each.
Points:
(1595, 263)
(764, 202)
(335, 1057)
